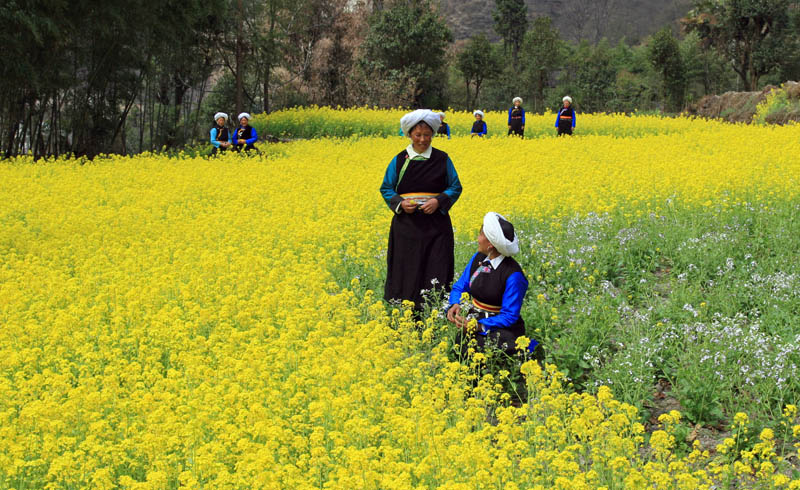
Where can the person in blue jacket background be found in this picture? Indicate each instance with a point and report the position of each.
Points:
(516, 118)
(444, 129)
(565, 120)
(497, 286)
(220, 137)
(479, 126)
(245, 135)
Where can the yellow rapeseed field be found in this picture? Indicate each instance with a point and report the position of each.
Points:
(171, 322)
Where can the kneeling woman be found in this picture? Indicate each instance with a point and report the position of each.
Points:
(497, 285)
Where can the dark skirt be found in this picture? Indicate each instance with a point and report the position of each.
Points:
(565, 127)
(420, 251)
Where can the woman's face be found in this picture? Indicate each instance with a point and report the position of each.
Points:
(243, 121)
(220, 121)
(517, 103)
(566, 103)
(478, 117)
(421, 135)
(483, 243)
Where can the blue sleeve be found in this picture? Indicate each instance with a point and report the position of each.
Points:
(558, 115)
(451, 194)
(214, 137)
(462, 284)
(523, 117)
(392, 198)
(448, 131)
(485, 128)
(516, 287)
(509, 115)
(253, 138)
(573, 118)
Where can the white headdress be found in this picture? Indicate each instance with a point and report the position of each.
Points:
(413, 118)
(220, 115)
(244, 114)
(500, 234)
(441, 115)
(475, 113)
(514, 101)
(567, 98)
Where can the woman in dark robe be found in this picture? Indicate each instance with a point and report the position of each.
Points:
(565, 120)
(516, 118)
(420, 186)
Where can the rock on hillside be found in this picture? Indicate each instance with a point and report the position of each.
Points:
(575, 19)
(741, 106)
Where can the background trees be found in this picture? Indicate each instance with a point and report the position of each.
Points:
(126, 76)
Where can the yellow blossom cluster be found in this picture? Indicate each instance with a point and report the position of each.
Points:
(188, 322)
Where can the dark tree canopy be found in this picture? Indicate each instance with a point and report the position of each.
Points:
(754, 35)
(511, 23)
(406, 44)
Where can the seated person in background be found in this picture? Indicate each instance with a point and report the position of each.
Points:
(444, 129)
(220, 138)
(479, 126)
(245, 135)
(497, 285)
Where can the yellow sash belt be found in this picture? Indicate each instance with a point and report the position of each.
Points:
(485, 307)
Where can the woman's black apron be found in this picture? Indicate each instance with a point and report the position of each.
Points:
(420, 253)
(487, 289)
(516, 122)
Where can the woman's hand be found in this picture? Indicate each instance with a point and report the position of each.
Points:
(408, 205)
(430, 206)
(454, 315)
(241, 142)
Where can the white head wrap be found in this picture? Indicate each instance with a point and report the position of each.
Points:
(413, 118)
(244, 114)
(514, 101)
(496, 228)
(441, 115)
(475, 113)
(567, 98)
(220, 115)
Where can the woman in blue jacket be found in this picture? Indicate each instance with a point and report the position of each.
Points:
(220, 137)
(516, 118)
(496, 285)
(245, 135)
(479, 126)
(565, 120)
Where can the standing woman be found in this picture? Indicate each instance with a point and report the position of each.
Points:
(479, 126)
(420, 187)
(245, 135)
(516, 118)
(220, 138)
(565, 121)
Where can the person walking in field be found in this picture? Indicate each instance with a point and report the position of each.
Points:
(220, 137)
(479, 128)
(444, 128)
(496, 284)
(565, 120)
(245, 136)
(420, 186)
(516, 118)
